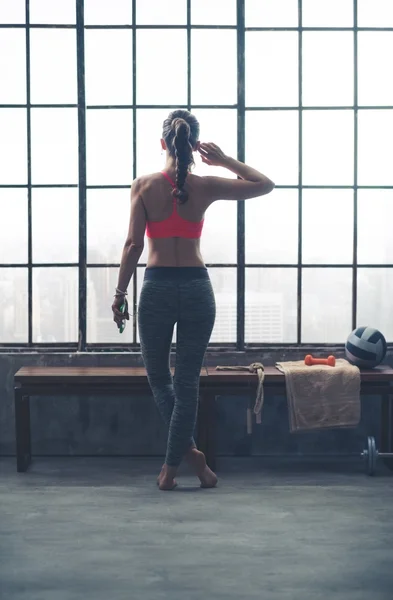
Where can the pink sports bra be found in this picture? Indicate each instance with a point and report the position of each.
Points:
(175, 225)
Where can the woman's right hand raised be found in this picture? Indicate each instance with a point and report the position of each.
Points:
(212, 155)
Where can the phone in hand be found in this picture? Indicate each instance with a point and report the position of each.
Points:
(123, 310)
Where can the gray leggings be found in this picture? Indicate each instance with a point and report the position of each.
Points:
(182, 295)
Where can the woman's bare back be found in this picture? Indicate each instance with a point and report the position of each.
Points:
(158, 202)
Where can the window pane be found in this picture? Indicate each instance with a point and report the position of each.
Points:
(205, 71)
(102, 12)
(48, 11)
(106, 233)
(334, 13)
(328, 147)
(149, 155)
(375, 218)
(12, 66)
(375, 147)
(155, 85)
(13, 146)
(375, 51)
(109, 147)
(271, 305)
(218, 244)
(51, 243)
(375, 13)
(326, 305)
(157, 12)
(108, 66)
(54, 145)
(327, 68)
(271, 13)
(277, 84)
(53, 66)
(219, 12)
(327, 216)
(224, 286)
(218, 126)
(272, 228)
(272, 144)
(13, 239)
(55, 304)
(13, 306)
(374, 302)
(12, 12)
(101, 328)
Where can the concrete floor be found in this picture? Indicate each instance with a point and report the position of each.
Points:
(98, 528)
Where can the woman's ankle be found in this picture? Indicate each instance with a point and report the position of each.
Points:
(168, 472)
(192, 452)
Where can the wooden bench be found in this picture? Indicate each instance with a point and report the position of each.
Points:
(53, 381)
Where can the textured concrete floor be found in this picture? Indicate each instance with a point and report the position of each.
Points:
(98, 528)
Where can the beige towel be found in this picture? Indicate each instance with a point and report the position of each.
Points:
(320, 396)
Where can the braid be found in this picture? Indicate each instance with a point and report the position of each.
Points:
(183, 155)
(180, 132)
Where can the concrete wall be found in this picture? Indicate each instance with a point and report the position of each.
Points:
(120, 426)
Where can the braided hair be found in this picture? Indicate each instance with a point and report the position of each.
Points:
(181, 133)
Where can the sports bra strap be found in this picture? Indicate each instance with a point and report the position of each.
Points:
(169, 179)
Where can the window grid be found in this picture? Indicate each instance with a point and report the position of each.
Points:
(241, 109)
(134, 167)
(82, 300)
(300, 180)
(29, 189)
(241, 145)
(355, 170)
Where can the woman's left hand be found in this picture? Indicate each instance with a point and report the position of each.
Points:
(118, 316)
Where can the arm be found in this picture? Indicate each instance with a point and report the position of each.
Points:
(251, 184)
(132, 250)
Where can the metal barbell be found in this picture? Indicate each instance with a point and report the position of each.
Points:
(371, 454)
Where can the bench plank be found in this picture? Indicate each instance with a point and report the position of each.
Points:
(138, 375)
(84, 375)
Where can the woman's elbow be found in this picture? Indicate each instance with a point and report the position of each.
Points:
(268, 187)
(134, 247)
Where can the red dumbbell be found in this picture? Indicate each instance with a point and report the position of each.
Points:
(310, 360)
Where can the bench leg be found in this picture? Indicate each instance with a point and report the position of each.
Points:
(387, 428)
(207, 427)
(22, 430)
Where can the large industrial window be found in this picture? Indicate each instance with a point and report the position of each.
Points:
(300, 89)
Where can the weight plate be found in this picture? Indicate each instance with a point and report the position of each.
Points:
(372, 455)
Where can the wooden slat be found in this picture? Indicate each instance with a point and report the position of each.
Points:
(128, 374)
(92, 375)
(80, 371)
(137, 375)
(383, 373)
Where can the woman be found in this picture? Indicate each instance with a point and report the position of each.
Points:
(170, 207)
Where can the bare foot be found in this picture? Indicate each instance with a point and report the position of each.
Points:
(158, 478)
(206, 476)
(166, 479)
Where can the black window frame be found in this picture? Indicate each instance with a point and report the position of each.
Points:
(81, 345)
